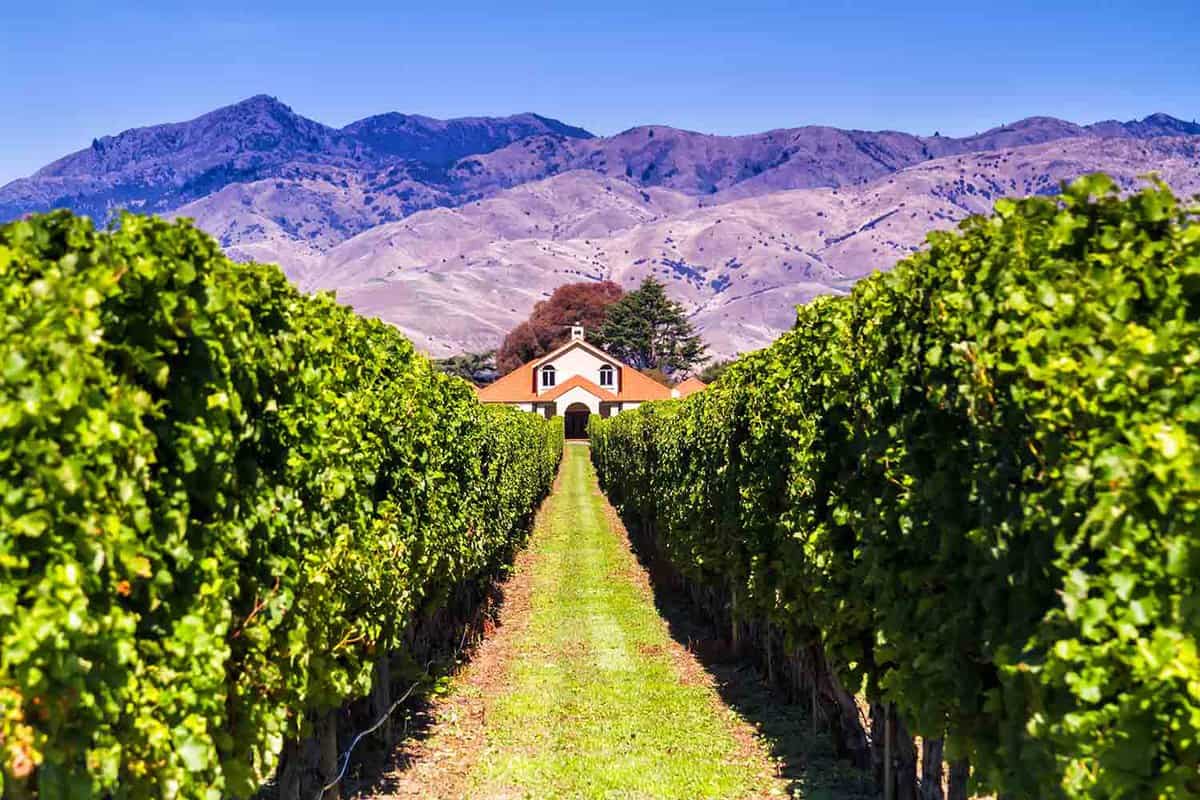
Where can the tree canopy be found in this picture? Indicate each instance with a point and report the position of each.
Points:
(478, 368)
(650, 331)
(549, 325)
(712, 372)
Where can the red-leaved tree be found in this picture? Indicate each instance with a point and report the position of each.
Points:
(549, 325)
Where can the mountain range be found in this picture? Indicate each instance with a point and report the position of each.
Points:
(453, 229)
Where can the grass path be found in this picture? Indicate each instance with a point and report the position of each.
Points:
(599, 705)
(583, 693)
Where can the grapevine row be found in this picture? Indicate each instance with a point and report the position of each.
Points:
(970, 493)
(221, 501)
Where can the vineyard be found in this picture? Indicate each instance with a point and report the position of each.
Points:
(223, 505)
(970, 494)
(953, 515)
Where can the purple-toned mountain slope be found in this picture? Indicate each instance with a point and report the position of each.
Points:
(163, 167)
(743, 166)
(442, 142)
(452, 229)
(457, 279)
(406, 163)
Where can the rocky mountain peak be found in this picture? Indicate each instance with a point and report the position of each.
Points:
(453, 228)
(441, 142)
(1165, 125)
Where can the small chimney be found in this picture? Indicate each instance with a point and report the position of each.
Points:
(576, 333)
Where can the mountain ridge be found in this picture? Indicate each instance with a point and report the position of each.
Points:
(161, 167)
(444, 141)
(158, 168)
(738, 267)
(451, 229)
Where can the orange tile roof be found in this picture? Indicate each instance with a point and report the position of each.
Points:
(515, 387)
(581, 382)
(518, 386)
(636, 387)
(690, 386)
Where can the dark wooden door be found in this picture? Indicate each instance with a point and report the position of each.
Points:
(575, 424)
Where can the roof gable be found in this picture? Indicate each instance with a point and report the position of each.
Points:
(580, 382)
(571, 345)
(519, 385)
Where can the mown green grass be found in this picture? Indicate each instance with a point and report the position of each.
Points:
(597, 708)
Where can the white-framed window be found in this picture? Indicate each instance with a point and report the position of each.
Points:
(548, 376)
(606, 376)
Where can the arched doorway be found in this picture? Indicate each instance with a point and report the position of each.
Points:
(575, 420)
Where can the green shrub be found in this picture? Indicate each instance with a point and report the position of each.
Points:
(976, 483)
(219, 501)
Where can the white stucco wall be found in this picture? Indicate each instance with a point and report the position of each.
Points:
(578, 395)
(537, 408)
(575, 361)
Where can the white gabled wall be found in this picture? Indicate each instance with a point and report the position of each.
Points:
(571, 362)
(575, 361)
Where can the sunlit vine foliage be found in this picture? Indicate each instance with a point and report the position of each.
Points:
(220, 501)
(976, 481)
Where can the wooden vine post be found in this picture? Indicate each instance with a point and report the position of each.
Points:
(327, 754)
(931, 769)
(381, 699)
(960, 773)
(889, 783)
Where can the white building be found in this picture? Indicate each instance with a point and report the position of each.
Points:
(577, 380)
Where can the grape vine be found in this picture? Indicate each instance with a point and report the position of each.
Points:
(974, 483)
(220, 501)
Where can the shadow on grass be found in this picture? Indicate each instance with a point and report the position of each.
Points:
(804, 753)
(381, 761)
(379, 769)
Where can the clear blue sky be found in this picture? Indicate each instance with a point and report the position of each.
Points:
(75, 70)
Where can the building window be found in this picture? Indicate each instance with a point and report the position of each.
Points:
(547, 376)
(606, 376)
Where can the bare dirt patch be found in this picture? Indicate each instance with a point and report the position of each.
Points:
(438, 764)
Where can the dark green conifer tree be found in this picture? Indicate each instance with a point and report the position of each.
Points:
(650, 331)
